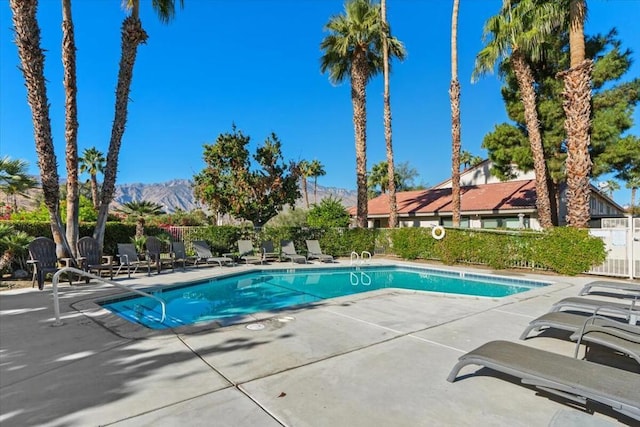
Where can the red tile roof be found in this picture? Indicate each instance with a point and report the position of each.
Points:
(487, 197)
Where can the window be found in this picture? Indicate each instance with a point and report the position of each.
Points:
(448, 222)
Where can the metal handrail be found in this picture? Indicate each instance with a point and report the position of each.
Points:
(56, 301)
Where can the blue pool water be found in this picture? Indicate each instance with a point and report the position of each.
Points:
(226, 298)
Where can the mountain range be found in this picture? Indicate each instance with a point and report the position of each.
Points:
(177, 194)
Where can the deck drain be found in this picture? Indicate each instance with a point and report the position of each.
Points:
(286, 319)
(255, 326)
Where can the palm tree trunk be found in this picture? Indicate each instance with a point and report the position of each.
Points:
(27, 39)
(71, 124)
(315, 189)
(454, 96)
(304, 190)
(577, 107)
(528, 96)
(393, 206)
(633, 201)
(94, 191)
(132, 35)
(358, 99)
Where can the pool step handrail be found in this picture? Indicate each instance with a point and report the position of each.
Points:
(56, 300)
(360, 258)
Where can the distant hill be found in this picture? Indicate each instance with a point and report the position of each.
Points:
(177, 194)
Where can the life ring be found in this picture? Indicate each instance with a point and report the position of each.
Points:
(437, 232)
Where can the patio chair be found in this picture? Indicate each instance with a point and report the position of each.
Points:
(617, 336)
(203, 253)
(618, 286)
(288, 251)
(570, 378)
(128, 257)
(314, 251)
(601, 306)
(268, 251)
(91, 258)
(43, 258)
(572, 322)
(155, 255)
(247, 252)
(179, 254)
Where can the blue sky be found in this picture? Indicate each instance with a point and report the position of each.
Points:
(255, 63)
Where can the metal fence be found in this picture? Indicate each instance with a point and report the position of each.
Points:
(622, 239)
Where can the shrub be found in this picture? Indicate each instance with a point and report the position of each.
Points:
(568, 250)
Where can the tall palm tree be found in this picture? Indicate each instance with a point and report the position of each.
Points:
(304, 168)
(352, 50)
(132, 35)
(27, 39)
(140, 211)
(454, 96)
(521, 30)
(393, 206)
(92, 162)
(71, 125)
(317, 169)
(14, 179)
(577, 108)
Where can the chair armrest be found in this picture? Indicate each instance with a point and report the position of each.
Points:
(108, 259)
(125, 257)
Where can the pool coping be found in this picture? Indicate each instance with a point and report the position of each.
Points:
(123, 328)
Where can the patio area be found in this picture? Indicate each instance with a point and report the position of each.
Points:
(371, 359)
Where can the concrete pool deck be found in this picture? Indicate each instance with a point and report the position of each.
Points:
(371, 359)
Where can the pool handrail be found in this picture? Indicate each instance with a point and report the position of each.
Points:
(360, 257)
(56, 301)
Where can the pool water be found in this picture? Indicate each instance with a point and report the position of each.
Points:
(232, 297)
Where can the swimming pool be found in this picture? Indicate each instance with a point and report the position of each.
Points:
(232, 297)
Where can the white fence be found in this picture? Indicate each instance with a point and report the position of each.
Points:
(622, 239)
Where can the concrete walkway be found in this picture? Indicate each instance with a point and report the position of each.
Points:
(371, 359)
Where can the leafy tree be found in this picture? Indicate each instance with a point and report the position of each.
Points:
(352, 50)
(93, 162)
(613, 106)
(289, 218)
(232, 184)
(14, 179)
(624, 159)
(328, 213)
(139, 211)
(378, 182)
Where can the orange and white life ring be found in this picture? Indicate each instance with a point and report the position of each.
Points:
(437, 232)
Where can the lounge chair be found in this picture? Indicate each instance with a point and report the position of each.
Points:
(288, 252)
(574, 379)
(91, 258)
(569, 321)
(618, 286)
(617, 336)
(268, 251)
(128, 257)
(43, 258)
(155, 255)
(179, 254)
(314, 251)
(204, 254)
(593, 305)
(247, 253)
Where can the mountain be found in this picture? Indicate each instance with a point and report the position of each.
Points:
(177, 194)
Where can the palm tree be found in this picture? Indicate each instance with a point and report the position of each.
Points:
(92, 162)
(522, 29)
(467, 159)
(577, 108)
(393, 206)
(317, 169)
(27, 39)
(12, 243)
(352, 50)
(71, 125)
(140, 211)
(132, 35)
(14, 179)
(304, 168)
(454, 96)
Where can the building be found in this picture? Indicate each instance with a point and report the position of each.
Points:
(485, 202)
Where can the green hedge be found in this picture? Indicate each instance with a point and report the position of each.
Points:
(565, 250)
